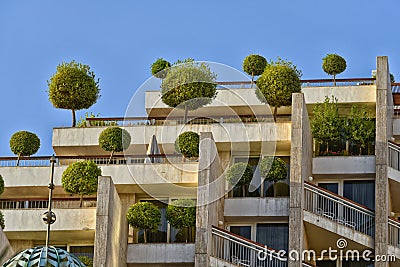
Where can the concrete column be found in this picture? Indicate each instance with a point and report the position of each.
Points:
(209, 198)
(6, 249)
(384, 113)
(111, 237)
(300, 170)
(19, 245)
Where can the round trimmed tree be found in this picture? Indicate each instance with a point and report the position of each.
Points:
(74, 86)
(1, 185)
(254, 65)
(114, 139)
(187, 143)
(2, 222)
(181, 214)
(333, 64)
(81, 178)
(159, 68)
(144, 216)
(188, 85)
(239, 174)
(277, 84)
(274, 171)
(24, 143)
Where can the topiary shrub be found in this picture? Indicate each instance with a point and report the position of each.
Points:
(114, 139)
(333, 64)
(181, 214)
(1, 185)
(24, 143)
(239, 174)
(188, 143)
(159, 68)
(254, 65)
(2, 222)
(81, 178)
(144, 216)
(86, 260)
(273, 172)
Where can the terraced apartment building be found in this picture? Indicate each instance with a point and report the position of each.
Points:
(346, 202)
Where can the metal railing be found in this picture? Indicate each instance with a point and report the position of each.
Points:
(394, 232)
(243, 252)
(394, 155)
(334, 207)
(44, 161)
(43, 204)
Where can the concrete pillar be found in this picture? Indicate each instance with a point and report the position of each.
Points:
(384, 113)
(19, 245)
(6, 249)
(111, 237)
(209, 198)
(300, 170)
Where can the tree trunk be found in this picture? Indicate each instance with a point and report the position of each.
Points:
(187, 234)
(275, 112)
(327, 148)
(274, 186)
(244, 190)
(19, 155)
(252, 79)
(145, 236)
(81, 202)
(73, 118)
(112, 154)
(186, 114)
(360, 150)
(334, 79)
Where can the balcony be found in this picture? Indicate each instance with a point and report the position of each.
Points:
(343, 165)
(176, 253)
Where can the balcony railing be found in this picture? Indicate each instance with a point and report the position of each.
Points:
(394, 232)
(43, 204)
(394, 155)
(44, 161)
(341, 210)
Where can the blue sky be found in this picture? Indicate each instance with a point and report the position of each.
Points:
(120, 40)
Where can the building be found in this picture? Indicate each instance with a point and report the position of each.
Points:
(346, 203)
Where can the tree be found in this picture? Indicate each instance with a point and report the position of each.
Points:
(333, 64)
(2, 222)
(181, 214)
(187, 143)
(1, 185)
(278, 82)
(392, 79)
(159, 68)
(81, 178)
(273, 172)
(74, 86)
(144, 216)
(239, 174)
(325, 123)
(359, 126)
(254, 65)
(188, 85)
(24, 143)
(114, 139)
(86, 260)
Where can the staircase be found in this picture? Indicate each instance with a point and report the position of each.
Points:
(232, 250)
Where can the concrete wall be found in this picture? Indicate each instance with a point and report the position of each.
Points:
(344, 165)
(160, 253)
(209, 198)
(256, 207)
(345, 94)
(301, 168)
(383, 134)
(6, 250)
(111, 226)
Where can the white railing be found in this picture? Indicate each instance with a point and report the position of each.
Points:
(394, 156)
(242, 252)
(43, 204)
(339, 209)
(394, 233)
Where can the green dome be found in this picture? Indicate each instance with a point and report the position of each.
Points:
(36, 257)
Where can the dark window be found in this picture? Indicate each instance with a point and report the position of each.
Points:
(78, 251)
(332, 187)
(159, 236)
(362, 192)
(326, 263)
(244, 231)
(273, 235)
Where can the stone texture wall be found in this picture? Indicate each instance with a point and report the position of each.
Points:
(7, 248)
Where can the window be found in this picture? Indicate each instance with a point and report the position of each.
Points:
(332, 187)
(326, 263)
(273, 235)
(244, 231)
(239, 191)
(78, 251)
(355, 263)
(362, 192)
(159, 236)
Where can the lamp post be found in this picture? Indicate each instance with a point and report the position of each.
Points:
(49, 217)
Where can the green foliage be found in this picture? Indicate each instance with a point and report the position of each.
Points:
(83, 122)
(181, 213)
(254, 65)
(159, 68)
(73, 86)
(86, 260)
(2, 222)
(1, 185)
(326, 124)
(24, 143)
(275, 171)
(277, 83)
(360, 126)
(187, 143)
(81, 178)
(392, 79)
(114, 139)
(239, 173)
(333, 64)
(188, 85)
(144, 216)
